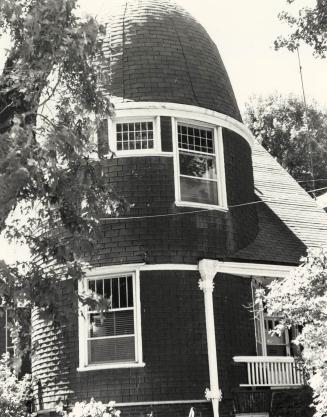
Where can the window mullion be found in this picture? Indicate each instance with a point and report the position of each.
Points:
(199, 178)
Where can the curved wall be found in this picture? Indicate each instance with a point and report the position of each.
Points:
(147, 185)
(158, 53)
(175, 354)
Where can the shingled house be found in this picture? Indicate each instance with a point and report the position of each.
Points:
(212, 216)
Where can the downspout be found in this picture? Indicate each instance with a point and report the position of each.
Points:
(208, 269)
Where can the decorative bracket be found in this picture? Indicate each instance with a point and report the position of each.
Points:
(208, 269)
(213, 395)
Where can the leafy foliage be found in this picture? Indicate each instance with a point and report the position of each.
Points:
(301, 299)
(92, 409)
(53, 189)
(310, 26)
(280, 126)
(15, 394)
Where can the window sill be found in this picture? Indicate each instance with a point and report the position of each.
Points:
(111, 366)
(201, 205)
(135, 153)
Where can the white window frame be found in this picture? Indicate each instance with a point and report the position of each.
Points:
(9, 348)
(260, 316)
(219, 159)
(102, 273)
(112, 132)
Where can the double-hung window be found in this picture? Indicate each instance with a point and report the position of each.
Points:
(199, 165)
(111, 337)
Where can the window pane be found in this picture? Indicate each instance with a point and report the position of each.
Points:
(199, 191)
(120, 349)
(115, 295)
(136, 132)
(130, 291)
(276, 350)
(195, 139)
(202, 166)
(107, 288)
(92, 285)
(123, 292)
(114, 323)
(99, 287)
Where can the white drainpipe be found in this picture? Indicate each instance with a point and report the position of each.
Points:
(208, 269)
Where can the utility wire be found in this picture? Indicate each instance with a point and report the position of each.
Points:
(152, 216)
(306, 120)
(317, 189)
(315, 180)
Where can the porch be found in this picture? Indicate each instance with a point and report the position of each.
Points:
(271, 371)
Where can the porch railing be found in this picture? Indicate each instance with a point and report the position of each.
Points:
(271, 371)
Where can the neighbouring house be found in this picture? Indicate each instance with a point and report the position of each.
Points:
(212, 216)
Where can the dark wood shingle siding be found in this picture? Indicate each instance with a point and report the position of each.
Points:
(158, 52)
(174, 347)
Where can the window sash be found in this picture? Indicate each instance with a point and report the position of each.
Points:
(126, 348)
(206, 189)
(204, 140)
(261, 327)
(198, 178)
(114, 291)
(155, 142)
(134, 136)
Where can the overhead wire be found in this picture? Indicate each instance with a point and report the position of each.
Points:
(151, 216)
(317, 189)
(315, 180)
(306, 124)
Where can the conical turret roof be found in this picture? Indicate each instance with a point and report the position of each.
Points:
(159, 52)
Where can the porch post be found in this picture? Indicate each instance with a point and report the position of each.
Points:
(208, 269)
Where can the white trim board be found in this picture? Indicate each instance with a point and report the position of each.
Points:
(160, 403)
(252, 415)
(141, 403)
(245, 269)
(252, 269)
(185, 111)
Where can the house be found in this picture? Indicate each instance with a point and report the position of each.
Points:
(211, 216)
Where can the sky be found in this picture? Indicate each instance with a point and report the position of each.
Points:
(244, 31)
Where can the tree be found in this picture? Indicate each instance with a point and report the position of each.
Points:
(309, 26)
(15, 393)
(301, 300)
(280, 126)
(51, 104)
